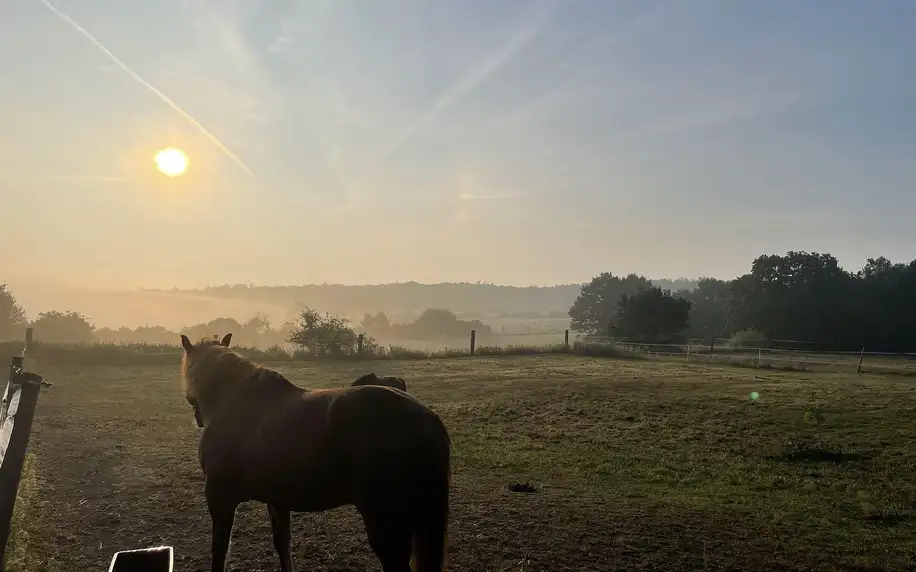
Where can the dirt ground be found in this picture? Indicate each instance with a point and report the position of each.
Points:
(637, 465)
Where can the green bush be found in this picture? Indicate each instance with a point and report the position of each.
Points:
(748, 339)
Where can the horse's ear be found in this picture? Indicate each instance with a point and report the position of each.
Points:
(226, 339)
(186, 343)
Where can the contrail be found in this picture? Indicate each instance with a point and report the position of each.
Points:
(481, 74)
(158, 93)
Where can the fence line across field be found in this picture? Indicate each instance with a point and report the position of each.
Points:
(762, 356)
(699, 343)
(710, 350)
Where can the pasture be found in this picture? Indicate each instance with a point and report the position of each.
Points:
(636, 465)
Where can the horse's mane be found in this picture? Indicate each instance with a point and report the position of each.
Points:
(211, 363)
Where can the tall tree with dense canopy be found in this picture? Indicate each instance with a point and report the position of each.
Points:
(651, 315)
(709, 309)
(799, 296)
(64, 327)
(886, 296)
(595, 309)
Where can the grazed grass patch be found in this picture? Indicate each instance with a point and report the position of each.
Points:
(636, 464)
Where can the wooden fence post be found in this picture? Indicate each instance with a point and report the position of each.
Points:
(861, 357)
(359, 345)
(16, 415)
(566, 339)
(473, 340)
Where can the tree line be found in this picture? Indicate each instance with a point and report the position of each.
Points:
(800, 296)
(312, 331)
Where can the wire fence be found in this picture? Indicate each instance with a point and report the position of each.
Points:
(788, 355)
(705, 351)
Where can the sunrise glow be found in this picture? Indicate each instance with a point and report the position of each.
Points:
(171, 161)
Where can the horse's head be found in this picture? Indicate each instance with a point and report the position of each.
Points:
(195, 355)
(368, 379)
(388, 381)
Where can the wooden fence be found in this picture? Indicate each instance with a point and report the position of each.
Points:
(16, 414)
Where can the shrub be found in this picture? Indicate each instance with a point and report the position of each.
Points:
(748, 339)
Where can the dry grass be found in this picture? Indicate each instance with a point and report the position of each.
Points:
(29, 543)
(636, 464)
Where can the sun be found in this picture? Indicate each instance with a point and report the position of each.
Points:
(171, 161)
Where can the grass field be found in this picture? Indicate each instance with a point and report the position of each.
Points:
(637, 465)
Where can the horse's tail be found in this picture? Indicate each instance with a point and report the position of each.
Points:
(430, 523)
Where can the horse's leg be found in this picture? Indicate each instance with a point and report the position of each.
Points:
(223, 517)
(390, 537)
(222, 513)
(279, 524)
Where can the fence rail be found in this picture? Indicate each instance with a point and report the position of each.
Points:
(763, 356)
(16, 415)
(706, 350)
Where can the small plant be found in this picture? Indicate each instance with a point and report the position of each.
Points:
(524, 562)
(813, 415)
(403, 352)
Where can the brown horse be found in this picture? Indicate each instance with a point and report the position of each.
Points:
(265, 439)
(388, 381)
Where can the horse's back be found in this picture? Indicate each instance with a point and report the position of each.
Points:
(362, 410)
(323, 444)
(387, 439)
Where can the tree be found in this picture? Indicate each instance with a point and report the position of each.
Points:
(651, 315)
(596, 306)
(324, 334)
(436, 322)
(257, 325)
(13, 319)
(377, 323)
(218, 327)
(886, 304)
(708, 310)
(63, 327)
(148, 335)
(799, 296)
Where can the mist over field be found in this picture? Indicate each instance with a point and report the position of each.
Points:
(402, 302)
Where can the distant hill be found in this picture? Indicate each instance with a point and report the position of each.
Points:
(401, 302)
(411, 298)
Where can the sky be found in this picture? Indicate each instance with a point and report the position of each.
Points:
(535, 142)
